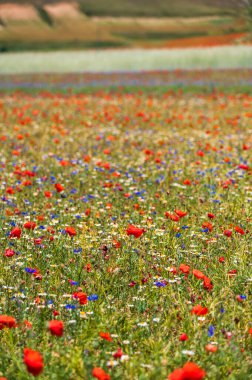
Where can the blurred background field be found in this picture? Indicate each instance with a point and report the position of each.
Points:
(128, 60)
(49, 25)
(125, 37)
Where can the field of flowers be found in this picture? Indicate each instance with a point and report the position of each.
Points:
(225, 80)
(125, 236)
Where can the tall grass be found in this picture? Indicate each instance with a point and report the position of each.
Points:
(126, 60)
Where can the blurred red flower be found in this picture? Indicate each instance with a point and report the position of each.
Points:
(199, 310)
(33, 361)
(106, 336)
(100, 374)
(15, 233)
(7, 321)
(70, 231)
(190, 371)
(135, 231)
(56, 327)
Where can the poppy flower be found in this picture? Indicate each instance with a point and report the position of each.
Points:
(106, 336)
(59, 187)
(9, 252)
(207, 283)
(10, 190)
(15, 233)
(239, 230)
(118, 354)
(33, 361)
(190, 371)
(82, 297)
(30, 225)
(38, 241)
(28, 324)
(198, 274)
(48, 194)
(100, 374)
(243, 167)
(173, 217)
(207, 225)
(184, 268)
(187, 182)
(70, 231)
(56, 327)
(227, 233)
(210, 215)
(199, 310)
(180, 213)
(135, 231)
(116, 244)
(211, 348)
(7, 321)
(183, 337)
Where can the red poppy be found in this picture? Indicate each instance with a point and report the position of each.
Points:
(7, 321)
(59, 187)
(30, 225)
(135, 231)
(227, 233)
(210, 215)
(9, 252)
(100, 374)
(28, 324)
(207, 225)
(10, 190)
(183, 337)
(207, 283)
(33, 361)
(15, 233)
(211, 348)
(118, 354)
(198, 274)
(82, 297)
(48, 194)
(173, 217)
(199, 310)
(187, 182)
(243, 167)
(239, 230)
(180, 213)
(56, 327)
(106, 336)
(116, 244)
(190, 371)
(184, 268)
(70, 231)
(38, 241)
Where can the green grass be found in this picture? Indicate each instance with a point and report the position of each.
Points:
(126, 60)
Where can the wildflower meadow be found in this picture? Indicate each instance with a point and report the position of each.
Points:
(125, 235)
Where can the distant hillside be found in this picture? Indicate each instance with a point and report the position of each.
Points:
(50, 24)
(146, 8)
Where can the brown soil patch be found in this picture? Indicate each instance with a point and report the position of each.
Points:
(9, 12)
(63, 10)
